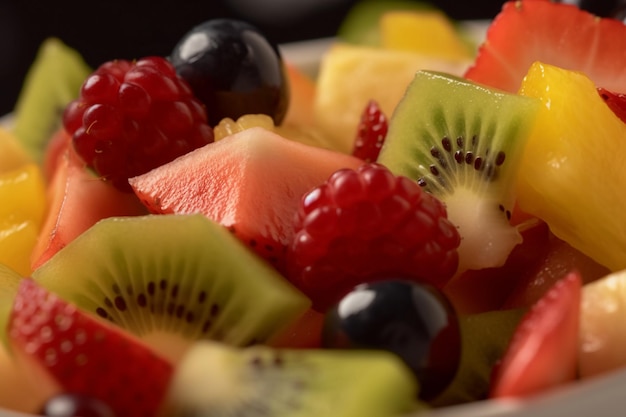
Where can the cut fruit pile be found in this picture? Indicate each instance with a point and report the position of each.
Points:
(418, 228)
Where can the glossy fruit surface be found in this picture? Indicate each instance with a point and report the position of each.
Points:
(602, 339)
(414, 321)
(134, 116)
(71, 405)
(250, 182)
(367, 224)
(560, 165)
(233, 69)
(75, 349)
(558, 34)
(371, 133)
(543, 352)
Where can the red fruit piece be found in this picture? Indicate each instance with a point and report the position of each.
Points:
(367, 224)
(250, 182)
(77, 200)
(371, 133)
(86, 355)
(554, 33)
(615, 101)
(543, 352)
(483, 290)
(135, 116)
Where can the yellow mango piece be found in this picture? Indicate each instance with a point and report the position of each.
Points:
(572, 172)
(12, 154)
(427, 32)
(17, 240)
(351, 75)
(23, 195)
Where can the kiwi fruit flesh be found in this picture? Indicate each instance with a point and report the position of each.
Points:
(53, 80)
(215, 380)
(173, 279)
(463, 143)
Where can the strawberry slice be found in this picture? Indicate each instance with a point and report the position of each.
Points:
(543, 351)
(371, 132)
(554, 33)
(85, 355)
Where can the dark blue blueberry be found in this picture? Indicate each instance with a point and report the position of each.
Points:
(233, 69)
(414, 321)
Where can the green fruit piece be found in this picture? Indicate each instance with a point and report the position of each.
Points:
(217, 380)
(361, 24)
(484, 337)
(463, 143)
(53, 80)
(171, 280)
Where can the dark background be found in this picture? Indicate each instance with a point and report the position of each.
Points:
(104, 30)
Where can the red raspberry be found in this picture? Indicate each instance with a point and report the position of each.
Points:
(371, 133)
(134, 116)
(367, 225)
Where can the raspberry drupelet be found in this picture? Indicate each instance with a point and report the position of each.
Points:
(367, 225)
(131, 117)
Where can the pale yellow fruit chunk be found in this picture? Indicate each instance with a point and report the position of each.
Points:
(425, 32)
(12, 154)
(603, 325)
(572, 173)
(23, 197)
(351, 75)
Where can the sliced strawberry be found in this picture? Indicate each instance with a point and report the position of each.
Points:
(371, 132)
(554, 33)
(615, 101)
(543, 351)
(85, 355)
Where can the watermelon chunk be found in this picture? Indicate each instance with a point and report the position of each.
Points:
(250, 182)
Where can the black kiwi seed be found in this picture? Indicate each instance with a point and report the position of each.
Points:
(193, 281)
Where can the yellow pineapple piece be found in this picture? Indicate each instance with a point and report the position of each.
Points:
(23, 197)
(572, 173)
(428, 32)
(352, 75)
(12, 154)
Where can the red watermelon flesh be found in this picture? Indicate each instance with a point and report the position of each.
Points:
(250, 182)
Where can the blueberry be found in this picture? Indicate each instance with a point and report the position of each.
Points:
(233, 69)
(414, 321)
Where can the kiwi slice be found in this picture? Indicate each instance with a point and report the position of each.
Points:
(53, 80)
(463, 143)
(484, 338)
(173, 279)
(217, 380)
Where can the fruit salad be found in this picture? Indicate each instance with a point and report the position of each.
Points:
(430, 224)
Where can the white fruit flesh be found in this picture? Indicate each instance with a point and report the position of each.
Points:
(603, 325)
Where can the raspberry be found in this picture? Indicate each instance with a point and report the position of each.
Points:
(368, 225)
(134, 116)
(371, 133)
